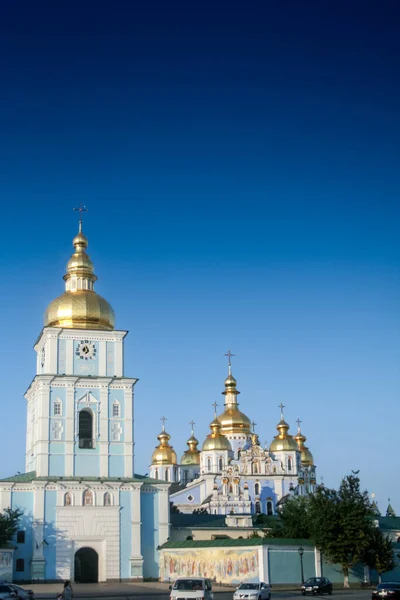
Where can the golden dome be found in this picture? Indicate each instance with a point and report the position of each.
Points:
(216, 440)
(191, 456)
(80, 307)
(164, 454)
(232, 419)
(306, 457)
(283, 441)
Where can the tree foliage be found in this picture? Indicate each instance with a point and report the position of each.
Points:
(200, 511)
(340, 523)
(9, 521)
(379, 554)
(173, 509)
(294, 519)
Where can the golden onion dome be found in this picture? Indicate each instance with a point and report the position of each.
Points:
(191, 456)
(306, 457)
(232, 419)
(216, 440)
(283, 441)
(80, 307)
(164, 454)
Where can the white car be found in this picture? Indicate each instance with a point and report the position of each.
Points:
(253, 591)
(186, 588)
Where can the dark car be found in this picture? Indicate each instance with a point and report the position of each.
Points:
(387, 590)
(316, 585)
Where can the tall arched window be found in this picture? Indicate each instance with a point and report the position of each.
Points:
(107, 499)
(289, 464)
(156, 474)
(85, 429)
(220, 463)
(269, 508)
(166, 474)
(257, 489)
(88, 498)
(208, 464)
(255, 468)
(230, 488)
(258, 508)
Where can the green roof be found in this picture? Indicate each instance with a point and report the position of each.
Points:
(31, 476)
(254, 541)
(389, 523)
(191, 520)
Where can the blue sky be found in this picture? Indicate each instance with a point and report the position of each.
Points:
(240, 165)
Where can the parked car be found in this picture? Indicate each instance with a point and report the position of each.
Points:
(255, 591)
(22, 593)
(191, 587)
(6, 592)
(316, 585)
(387, 590)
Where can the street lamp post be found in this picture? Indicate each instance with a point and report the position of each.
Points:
(301, 552)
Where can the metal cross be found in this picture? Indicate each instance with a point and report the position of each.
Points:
(81, 210)
(281, 406)
(192, 423)
(163, 419)
(298, 423)
(215, 408)
(229, 354)
(254, 425)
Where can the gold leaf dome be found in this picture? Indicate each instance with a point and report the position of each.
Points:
(80, 307)
(191, 456)
(306, 457)
(216, 440)
(232, 419)
(283, 441)
(164, 454)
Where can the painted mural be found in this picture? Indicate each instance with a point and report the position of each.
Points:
(6, 565)
(218, 564)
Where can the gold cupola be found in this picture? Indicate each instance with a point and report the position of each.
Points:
(283, 441)
(306, 457)
(80, 307)
(191, 456)
(232, 419)
(164, 454)
(216, 439)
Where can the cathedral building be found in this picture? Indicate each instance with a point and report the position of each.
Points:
(86, 515)
(233, 473)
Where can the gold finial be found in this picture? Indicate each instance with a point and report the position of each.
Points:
(163, 419)
(81, 210)
(229, 355)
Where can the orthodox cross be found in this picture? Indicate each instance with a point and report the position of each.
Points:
(81, 210)
(229, 355)
(163, 419)
(281, 406)
(254, 426)
(215, 408)
(192, 423)
(298, 424)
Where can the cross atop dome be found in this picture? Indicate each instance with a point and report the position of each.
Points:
(229, 355)
(81, 210)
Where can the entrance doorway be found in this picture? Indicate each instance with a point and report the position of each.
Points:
(86, 566)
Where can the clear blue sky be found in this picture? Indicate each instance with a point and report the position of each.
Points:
(241, 167)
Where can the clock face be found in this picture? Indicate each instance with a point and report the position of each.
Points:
(86, 350)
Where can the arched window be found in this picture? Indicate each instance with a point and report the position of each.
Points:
(289, 464)
(107, 499)
(220, 463)
(239, 452)
(258, 508)
(68, 499)
(85, 429)
(257, 489)
(255, 468)
(166, 474)
(156, 474)
(269, 508)
(230, 488)
(116, 409)
(88, 498)
(208, 464)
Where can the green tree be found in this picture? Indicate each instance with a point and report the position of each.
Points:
(173, 509)
(294, 519)
(200, 511)
(340, 524)
(379, 554)
(9, 522)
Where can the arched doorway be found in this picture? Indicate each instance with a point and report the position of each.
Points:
(86, 566)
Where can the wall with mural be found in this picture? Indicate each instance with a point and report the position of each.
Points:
(6, 565)
(229, 565)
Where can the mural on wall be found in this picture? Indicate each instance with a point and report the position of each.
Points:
(219, 564)
(6, 565)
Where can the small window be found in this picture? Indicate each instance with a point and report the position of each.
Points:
(166, 474)
(257, 489)
(289, 464)
(269, 508)
(116, 410)
(208, 464)
(21, 537)
(88, 498)
(57, 409)
(156, 474)
(258, 508)
(20, 565)
(221, 464)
